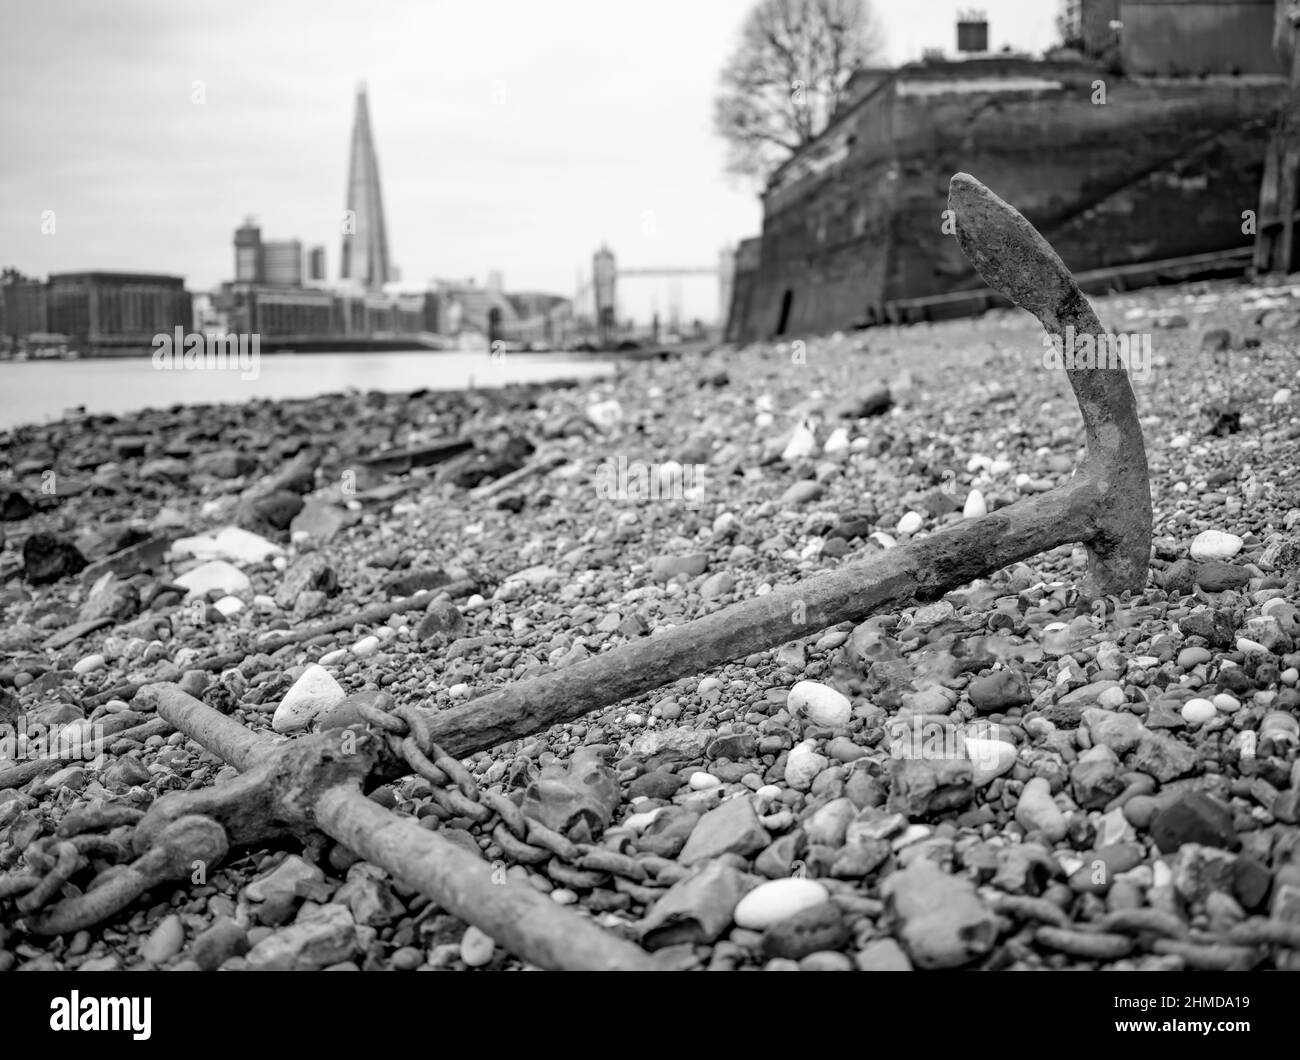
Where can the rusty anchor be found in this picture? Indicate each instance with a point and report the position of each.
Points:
(315, 783)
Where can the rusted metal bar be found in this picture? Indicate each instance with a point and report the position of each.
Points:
(314, 783)
(923, 570)
(517, 917)
(1107, 506)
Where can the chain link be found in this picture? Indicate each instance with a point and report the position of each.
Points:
(522, 839)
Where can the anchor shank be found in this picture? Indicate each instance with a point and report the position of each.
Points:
(922, 570)
(522, 920)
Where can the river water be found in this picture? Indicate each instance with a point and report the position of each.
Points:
(41, 391)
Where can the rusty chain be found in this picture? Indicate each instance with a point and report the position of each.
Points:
(522, 839)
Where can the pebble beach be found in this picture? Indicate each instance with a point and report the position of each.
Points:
(1007, 778)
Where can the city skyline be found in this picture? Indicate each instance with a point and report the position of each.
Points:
(157, 130)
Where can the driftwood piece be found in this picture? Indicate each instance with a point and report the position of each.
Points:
(400, 461)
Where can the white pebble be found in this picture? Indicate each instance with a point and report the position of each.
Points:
(332, 657)
(89, 665)
(975, 506)
(229, 605)
(774, 901)
(365, 646)
(264, 603)
(1112, 698)
(803, 764)
(702, 781)
(768, 792)
(1245, 644)
(1215, 544)
(639, 822)
(709, 684)
(910, 524)
(474, 602)
(315, 691)
(563, 896)
(823, 704)
(837, 442)
(215, 574)
(634, 720)
(1290, 675)
(1226, 704)
(1036, 810)
(476, 947)
(803, 442)
(1198, 711)
(990, 758)
(460, 690)
(1282, 397)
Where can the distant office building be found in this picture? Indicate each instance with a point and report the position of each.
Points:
(972, 32)
(248, 253)
(316, 264)
(282, 263)
(364, 260)
(24, 308)
(277, 312)
(106, 310)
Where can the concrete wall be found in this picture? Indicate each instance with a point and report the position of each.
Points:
(855, 220)
(1171, 38)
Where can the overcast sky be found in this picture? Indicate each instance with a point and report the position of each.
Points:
(511, 134)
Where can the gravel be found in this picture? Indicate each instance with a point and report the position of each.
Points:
(1007, 778)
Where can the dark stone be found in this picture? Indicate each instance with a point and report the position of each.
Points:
(224, 939)
(1216, 575)
(819, 927)
(778, 859)
(1236, 680)
(48, 558)
(14, 507)
(1095, 783)
(1216, 627)
(441, 617)
(922, 786)
(999, 691)
(734, 745)
(1194, 817)
(873, 403)
(1286, 807)
(668, 832)
(269, 512)
(311, 572)
(416, 581)
(1180, 577)
(1064, 715)
(113, 599)
(1251, 882)
(224, 464)
(9, 708)
(657, 784)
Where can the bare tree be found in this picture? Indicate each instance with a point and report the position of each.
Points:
(787, 77)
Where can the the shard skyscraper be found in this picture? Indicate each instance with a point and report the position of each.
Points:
(364, 261)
